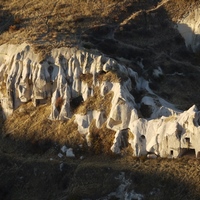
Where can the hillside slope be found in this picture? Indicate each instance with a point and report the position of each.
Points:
(100, 77)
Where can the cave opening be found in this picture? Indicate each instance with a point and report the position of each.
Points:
(76, 102)
(185, 152)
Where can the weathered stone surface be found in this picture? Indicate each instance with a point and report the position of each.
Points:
(189, 28)
(60, 80)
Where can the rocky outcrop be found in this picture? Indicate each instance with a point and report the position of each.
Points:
(102, 92)
(189, 28)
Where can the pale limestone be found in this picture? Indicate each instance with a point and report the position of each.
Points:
(168, 132)
(189, 28)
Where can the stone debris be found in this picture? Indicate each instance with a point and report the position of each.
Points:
(66, 151)
(70, 153)
(60, 155)
(152, 156)
(124, 191)
(82, 157)
(61, 166)
(63, 149)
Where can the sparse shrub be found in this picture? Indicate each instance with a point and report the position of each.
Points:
(87, 78)
(17, 20)
(59, 103)
(12, 28)
(143, 158)
(96, 102)
(101, 139)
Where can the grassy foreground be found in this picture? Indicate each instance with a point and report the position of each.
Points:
(29, 171)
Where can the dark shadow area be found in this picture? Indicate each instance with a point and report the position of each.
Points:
(75, 102)
(33, 178)
(186, 152)
(105, 37)
(145, 110)
(93, 178)
(6, 20)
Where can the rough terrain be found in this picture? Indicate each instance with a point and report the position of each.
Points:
(141, 35)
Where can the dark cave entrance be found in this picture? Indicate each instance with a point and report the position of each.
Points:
(185, 152)
(76, 102)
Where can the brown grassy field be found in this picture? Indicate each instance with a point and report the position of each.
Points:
(50, 24)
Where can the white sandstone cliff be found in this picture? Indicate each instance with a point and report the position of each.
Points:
(23, 78)
(189, 28)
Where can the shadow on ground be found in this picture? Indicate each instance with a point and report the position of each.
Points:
(44, 177)
(6, 20)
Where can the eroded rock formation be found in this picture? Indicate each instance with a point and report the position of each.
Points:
(102, 91)
(189, 28)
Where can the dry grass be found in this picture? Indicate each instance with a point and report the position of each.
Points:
(87, 78)
(12, 28)
(3, 88)
(176, 8)
(110, 76)
(101, 139)
(32, 124)
(29, 123)
(48, 24)
(96, 102)
(170, 118)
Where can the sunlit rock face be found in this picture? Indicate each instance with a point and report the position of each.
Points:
(189, 28)
(101, 89)
(167, 136)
